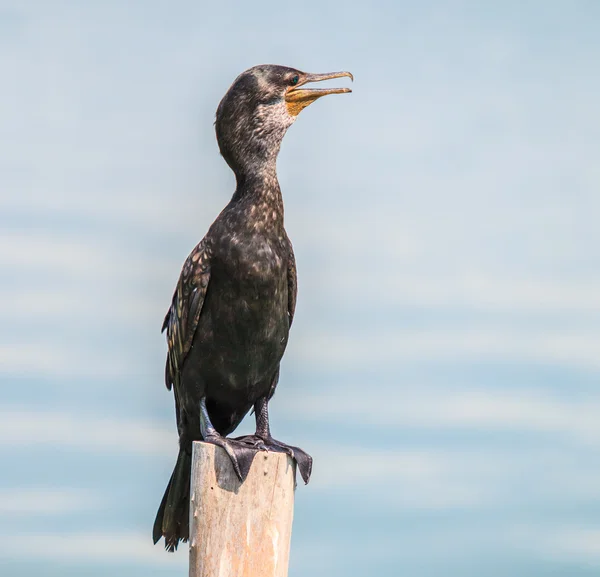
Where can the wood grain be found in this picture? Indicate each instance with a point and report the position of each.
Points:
(240, 530)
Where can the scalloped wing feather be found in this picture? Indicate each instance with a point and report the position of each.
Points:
(182, 317)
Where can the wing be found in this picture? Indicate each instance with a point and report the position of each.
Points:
(183, 315)
(292, 284)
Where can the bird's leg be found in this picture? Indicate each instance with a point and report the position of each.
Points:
(241, 454)
(262, 439)
(261, 411)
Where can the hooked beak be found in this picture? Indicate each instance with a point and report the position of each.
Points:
(298, 98)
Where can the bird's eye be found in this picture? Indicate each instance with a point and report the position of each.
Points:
(294, 80)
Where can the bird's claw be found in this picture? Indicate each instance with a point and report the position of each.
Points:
(302, 458)
(240, 454)
(253, 441)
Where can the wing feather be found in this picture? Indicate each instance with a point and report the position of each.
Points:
(292, 284)
(182, 317)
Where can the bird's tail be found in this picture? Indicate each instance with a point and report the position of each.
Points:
(172, 519)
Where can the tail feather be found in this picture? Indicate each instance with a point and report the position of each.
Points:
(157, 531)
(172, 518)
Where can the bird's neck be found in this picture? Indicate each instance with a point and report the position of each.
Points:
(258, 190)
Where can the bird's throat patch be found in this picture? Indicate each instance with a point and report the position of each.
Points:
(296, 105)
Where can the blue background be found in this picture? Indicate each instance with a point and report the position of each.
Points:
(444, 361)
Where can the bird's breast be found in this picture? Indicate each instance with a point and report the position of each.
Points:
(244, 330)
(255, 259)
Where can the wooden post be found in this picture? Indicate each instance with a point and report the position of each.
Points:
(240, 530)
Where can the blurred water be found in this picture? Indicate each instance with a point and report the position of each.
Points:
(443, 364)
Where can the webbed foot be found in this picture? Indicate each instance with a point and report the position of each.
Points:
(240, 453)
(267, 443)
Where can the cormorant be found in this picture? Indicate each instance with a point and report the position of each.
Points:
(228, 323)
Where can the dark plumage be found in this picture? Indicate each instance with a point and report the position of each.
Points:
(228, 324)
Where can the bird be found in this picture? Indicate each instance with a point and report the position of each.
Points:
(229, 320)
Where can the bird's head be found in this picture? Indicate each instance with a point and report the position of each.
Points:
(259, 107)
